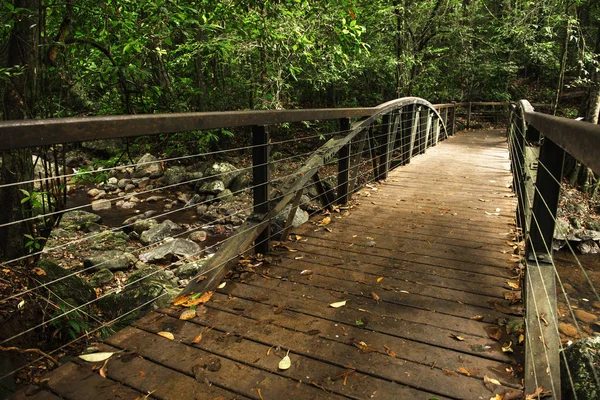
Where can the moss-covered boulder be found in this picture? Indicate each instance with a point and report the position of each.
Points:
(64, 287)
(147, 289)
(581, 360)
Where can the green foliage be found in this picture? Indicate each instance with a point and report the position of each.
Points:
(70, 323)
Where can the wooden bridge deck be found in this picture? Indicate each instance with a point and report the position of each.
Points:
(428, 244)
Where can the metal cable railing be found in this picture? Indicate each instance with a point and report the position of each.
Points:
(538, 144)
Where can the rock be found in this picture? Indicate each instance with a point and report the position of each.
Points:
(153, 199)
(148, 166)
(128, 205)
(103, 276)
(190, 270)
(113, 260)
(110, 240)
(77, 219)
(158, 232)
(129, 187)
(585, 316)
(145, 285)
(201, 209)
(225, 196)
(196, 199)
(123, 183)
(568, 288)
(92, 227)
(568, 329)
(174, 175)
(70, 289)
(223, 171)
(300, 217)
(141, 225)
(588, 247)
(239, 183)
(561, 229)
(581, 358)
(94, 192)
(198, 236)
(140, 182)
(214, 187)
(101, 205)
(170, 249)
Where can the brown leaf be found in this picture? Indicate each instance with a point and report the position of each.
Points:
(477, 317)
(278, 310)
(375, 297)
(259, 394)
(104, 369)
(538, 394)
(490, 383)
(389, 352)
(362, 346)
(198, 338)
(456, 337)
(464, 371)
(496, 334)
(324, 221)
(201, 278)
(187, 314)
(179, 300)
(379, 279)
(313, 332)
(38, 271)
(195, 299)
(142, 373)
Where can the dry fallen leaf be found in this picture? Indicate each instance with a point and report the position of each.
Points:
(389, 352)
(193, 300)
(338, 304)
(285, 362)
(104, 369)
(324, 221)
(187, 314)
(464, 371)
(362, 346)
(379, 279)
(375, 296)
(198, 338)
(306, 272)
(222, 285)
(96, 357)
(167, 335)
(477, 317)
(513, 285)
(507, 347)
(38, 271)
(142, 373)
(487, 379)
(538, 394)
(459, 338)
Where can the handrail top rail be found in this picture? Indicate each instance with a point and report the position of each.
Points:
(42, 132)
(580, 139)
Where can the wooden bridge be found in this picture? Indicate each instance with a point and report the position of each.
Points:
(403, 292)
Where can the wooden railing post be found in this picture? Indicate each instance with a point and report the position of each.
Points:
(436, 131)
(343, 165)
(469, 115)
(260, 182)
(453, 119)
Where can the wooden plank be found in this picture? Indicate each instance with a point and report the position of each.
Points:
(420, 284)
(220, 370)
(33, 392)
(228, 340)
(146, 376)
(379, 364)
(76, 382)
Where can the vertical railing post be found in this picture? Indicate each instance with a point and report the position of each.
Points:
(469, 115)
(384, 143)
(343, 164)
(453, 119)
(542, 362)
(260, 182)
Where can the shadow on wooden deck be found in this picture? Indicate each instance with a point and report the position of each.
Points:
(420, 261)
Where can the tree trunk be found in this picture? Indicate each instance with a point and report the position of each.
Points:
(19, 103)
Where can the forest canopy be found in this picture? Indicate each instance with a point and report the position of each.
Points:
(148, 56)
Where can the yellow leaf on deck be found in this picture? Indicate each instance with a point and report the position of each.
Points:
(167, 335)
(464, 371)
(187, 314)
(338, 304)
